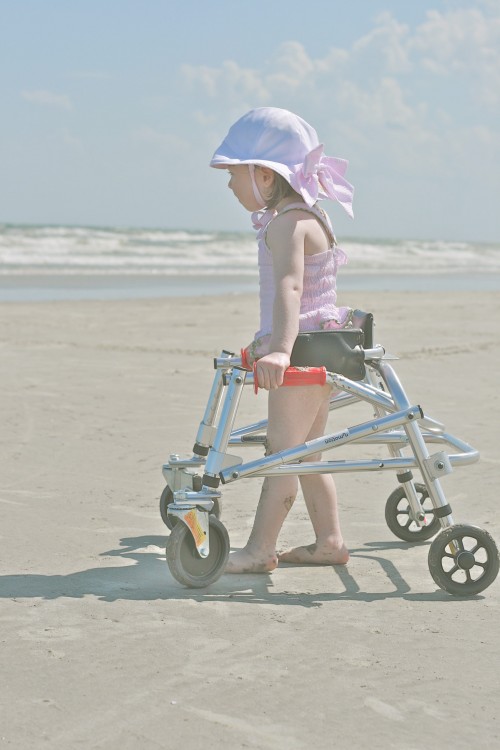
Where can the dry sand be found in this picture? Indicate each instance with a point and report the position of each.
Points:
(101, 648)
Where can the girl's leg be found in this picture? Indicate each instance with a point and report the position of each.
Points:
(292, 414)
(259, 554)
(321, 501)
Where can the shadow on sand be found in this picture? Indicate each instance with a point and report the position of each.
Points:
(149, 579)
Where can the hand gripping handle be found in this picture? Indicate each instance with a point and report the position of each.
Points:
(297, 376)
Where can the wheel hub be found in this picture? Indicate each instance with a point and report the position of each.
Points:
(466, 560)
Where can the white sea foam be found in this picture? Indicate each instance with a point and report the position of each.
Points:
(422, 256)
(74, 250)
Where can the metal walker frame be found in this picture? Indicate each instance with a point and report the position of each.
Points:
(463, 559)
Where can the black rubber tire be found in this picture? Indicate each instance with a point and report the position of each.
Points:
(186, 565)
(167, 497)
(468, 569)
(397, 516)
(217, 509)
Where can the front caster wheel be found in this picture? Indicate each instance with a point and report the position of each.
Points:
(167, 497)
(185, 563)
(399, 520)
(463, 560)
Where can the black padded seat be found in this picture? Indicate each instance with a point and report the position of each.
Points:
(339, 351)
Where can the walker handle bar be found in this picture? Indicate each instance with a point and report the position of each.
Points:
(377, 352)
(292, 376)
(296, 376)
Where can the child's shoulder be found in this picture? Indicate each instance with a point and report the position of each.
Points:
(294, 214)
(303, 226)
(288, 223)
(294, 219)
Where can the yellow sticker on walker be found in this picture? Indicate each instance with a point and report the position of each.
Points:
(191, 518)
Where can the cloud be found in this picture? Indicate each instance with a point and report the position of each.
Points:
(385, 46)
(388, 84)
(382, 105)
(290, 67)
(47, 99)
(229, 80)
(465, 40)
(331, 91)
(464, 43)
(456, 41)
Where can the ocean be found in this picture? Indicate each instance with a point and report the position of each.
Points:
(61, 262)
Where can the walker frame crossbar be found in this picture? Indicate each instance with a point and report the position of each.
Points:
(458, 565)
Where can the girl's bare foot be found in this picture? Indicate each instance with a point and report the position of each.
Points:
(316, 554)
(246, 561)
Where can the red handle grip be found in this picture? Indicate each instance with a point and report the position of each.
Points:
(305, 376)
(297, 376)
(244, 360)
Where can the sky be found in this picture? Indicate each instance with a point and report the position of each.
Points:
(111, 109)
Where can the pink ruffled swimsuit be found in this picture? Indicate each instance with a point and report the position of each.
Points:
(318, 310)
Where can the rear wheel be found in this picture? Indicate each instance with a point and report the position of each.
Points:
(463, 560)
(185, 563)
(399, 520)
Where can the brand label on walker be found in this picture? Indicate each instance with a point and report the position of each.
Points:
(337, 436)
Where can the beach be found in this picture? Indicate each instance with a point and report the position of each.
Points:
(102, 648)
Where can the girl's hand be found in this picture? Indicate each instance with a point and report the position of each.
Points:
(271, 370)
(257, 349)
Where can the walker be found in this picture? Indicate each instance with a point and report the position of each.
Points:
(463, 559)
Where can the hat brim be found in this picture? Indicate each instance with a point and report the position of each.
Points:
(223, 162)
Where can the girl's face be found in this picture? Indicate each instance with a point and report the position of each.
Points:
(240, 183)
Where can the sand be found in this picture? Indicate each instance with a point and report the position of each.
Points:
(102, 648)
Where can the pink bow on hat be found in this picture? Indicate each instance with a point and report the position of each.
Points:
(322, 176)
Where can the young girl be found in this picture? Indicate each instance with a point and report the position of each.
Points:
(278, 171)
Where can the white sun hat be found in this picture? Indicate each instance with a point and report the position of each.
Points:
(278, 139)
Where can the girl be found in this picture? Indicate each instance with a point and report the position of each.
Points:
(278, 172)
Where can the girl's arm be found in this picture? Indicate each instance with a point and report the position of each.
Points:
(285, 239)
